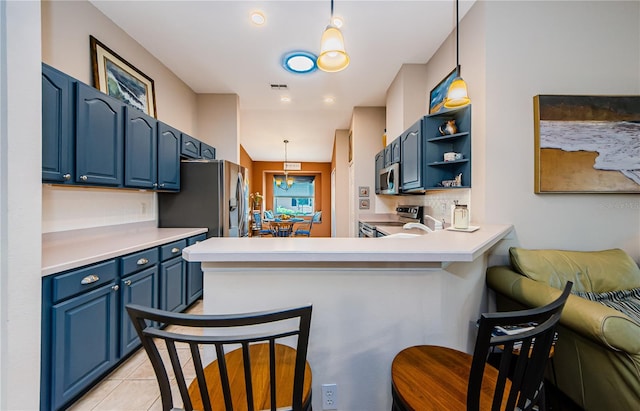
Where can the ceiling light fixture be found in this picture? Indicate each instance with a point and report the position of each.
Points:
(457, 96)
(333, 56)
(299, 62)
(258, 18)
(288, 182)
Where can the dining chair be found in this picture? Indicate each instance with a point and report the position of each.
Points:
(304, 229)
(427, 377)
(257, 220)
(259, 359)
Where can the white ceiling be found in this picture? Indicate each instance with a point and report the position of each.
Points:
(213, 47)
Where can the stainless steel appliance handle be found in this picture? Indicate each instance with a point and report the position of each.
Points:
(241, 204)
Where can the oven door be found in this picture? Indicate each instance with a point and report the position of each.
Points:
(389, 178)
(365, 230)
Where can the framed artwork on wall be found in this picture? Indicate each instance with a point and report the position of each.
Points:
(439, 92)
(587, 144)
(117, 78)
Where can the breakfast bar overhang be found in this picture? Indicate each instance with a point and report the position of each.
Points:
(371, 297)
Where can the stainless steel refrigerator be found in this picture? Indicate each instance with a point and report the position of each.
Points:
(213, 194)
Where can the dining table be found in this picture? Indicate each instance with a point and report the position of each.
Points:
(283, 228)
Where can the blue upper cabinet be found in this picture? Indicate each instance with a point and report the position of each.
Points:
(168, 157)
(207, 152)
(99, 137)
(189, 147)
(57, 130)
(141, 150)
(411, 166)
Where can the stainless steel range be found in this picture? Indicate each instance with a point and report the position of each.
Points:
(404, 214)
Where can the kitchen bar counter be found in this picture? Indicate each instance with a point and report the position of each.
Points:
(66, 250)
(372, 297)
(435, 249)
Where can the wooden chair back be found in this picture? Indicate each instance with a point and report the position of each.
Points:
(258, 359)
(520, 377)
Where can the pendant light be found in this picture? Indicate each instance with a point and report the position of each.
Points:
(333, 56)
(288, 181)
(457, 96)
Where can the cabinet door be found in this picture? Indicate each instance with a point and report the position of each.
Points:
(84, 342)
(57, 136)
(99, 137)
(141, 150)
(189, 146)
(395, 151)
(379, 167)
(207, 152)
(173, 295)
(387, 155)
(168, 157)
(411, 153)
(194, 274)
(140, 288)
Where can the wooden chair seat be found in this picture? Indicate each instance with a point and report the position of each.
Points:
(259, 353)
(427, 367)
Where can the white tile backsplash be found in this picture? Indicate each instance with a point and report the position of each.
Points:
(438, 202)
(72, 208)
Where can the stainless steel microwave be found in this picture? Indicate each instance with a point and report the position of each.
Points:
(389, 179)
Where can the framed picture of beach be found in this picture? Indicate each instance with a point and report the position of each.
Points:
(587, 144)
(116, 77)
(439, 92)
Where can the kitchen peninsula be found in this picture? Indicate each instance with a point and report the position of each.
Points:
(371, 297)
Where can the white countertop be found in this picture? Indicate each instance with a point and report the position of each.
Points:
(72, 249)
(440, 246)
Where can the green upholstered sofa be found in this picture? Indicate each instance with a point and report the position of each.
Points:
(597, 356)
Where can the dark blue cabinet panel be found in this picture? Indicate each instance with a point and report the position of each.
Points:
(395, 151)
(99, 137)
(57, 127)
(84, 342)
(379, 167)
(141, 152)
(194, 273)
(173, 294)
(168, 157)
(189, 146)
(207, 152)
(139, 288)
(411, 166)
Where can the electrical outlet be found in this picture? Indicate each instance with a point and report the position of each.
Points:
(329, 396)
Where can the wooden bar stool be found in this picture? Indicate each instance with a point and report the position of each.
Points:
(429, 377)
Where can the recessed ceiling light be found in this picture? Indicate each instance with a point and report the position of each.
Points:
(258, 18)
(337, 21)
(285, 99)
(329, 100)
(300, 62)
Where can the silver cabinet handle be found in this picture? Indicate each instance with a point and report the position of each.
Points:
(67, 176)
(161, 185)
(127, 282)
(142, 261)
(115, 287)
(155, 184)
(89, 279)
(175, 250)
(84, 178)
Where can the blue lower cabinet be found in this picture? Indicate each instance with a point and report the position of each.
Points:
(173, 294)
(194, 274)
(140, 288)
(84, 343)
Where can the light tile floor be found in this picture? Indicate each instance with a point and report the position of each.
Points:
(132, 386)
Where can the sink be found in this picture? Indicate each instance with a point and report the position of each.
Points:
(402, 235)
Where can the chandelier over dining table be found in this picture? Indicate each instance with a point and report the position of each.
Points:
(288, 181)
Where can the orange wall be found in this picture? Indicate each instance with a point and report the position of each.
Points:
(261, 175)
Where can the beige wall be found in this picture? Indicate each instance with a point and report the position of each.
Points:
(218, 124)
(340, 199)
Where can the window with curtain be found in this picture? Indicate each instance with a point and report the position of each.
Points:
(296, 200)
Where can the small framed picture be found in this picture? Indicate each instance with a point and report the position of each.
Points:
(364, 191)
(439, 92)
(364, 204)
